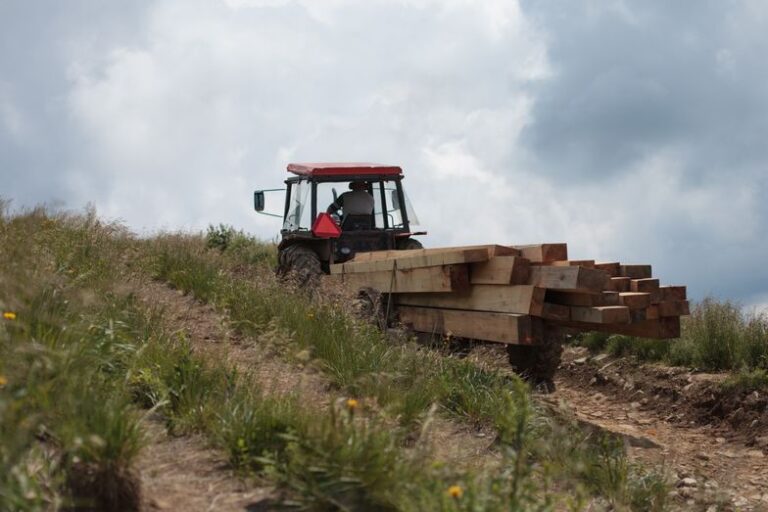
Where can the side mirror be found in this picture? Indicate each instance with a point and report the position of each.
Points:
(395, 200)
(258, 200)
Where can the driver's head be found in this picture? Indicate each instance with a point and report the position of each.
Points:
(358, 185)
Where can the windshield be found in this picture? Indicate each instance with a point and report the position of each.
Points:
(394, 210)
(299, 212)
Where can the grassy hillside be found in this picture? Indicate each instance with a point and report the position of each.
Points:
(86, 365)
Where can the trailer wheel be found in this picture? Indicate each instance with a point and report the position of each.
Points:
(300, 265)
(538, 363)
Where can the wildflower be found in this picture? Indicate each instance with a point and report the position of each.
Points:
(310, 316)
(352, 404)
(9, 315)
(3, 381)
(455, 491)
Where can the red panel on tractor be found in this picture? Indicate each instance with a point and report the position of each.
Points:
(325, 227)
(343, 169)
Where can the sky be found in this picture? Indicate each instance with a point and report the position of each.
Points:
(633, 131)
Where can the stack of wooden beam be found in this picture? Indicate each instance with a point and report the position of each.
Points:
(505, 293)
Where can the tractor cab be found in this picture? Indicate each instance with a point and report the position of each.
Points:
(339, 209)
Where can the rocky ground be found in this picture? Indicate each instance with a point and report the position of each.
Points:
(713, 443)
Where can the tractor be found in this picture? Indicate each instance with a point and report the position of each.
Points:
(312, 238)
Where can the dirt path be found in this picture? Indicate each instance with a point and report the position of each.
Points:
(657, 411)
(182, 473)
(712, 450)
(716, 466)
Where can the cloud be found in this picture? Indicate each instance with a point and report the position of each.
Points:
(632, 131)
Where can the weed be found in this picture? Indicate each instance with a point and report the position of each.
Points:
(747, 381)
(254, 426)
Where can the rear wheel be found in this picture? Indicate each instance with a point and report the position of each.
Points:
(538, 363)
(300, 265)
(407, 244)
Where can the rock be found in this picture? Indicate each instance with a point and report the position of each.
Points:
(159, 504)
(581, 360)
(304, 356)
(687, 482)
(702, 456)
(755, 453)
(720, 440)
(599, 357)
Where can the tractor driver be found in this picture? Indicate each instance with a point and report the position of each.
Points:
(355, 202)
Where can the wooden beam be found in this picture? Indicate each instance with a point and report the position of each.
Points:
(670, 293)
(568, 298)
(600, 314)
(613, 268)
(636, 271)
(449, 278)
(500, 270)
(635, 300)
(417, 258)
(644, 285)
(543, 253)
(620, 284)
(493, 250)
(556, 312)
(523, 299)
(569, 278)
(674, 308)
(499, 327)
(663, 328)
(571, 263)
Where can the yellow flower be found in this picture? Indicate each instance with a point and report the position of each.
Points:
(351, 404)
(310, 315)
(455, 491)
(3, 381)
(9, 315)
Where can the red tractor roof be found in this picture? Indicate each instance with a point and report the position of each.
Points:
(344, 169)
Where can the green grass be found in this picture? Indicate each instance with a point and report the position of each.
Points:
(718, 335)
(66, 345)
(747, 381)
(84, 362)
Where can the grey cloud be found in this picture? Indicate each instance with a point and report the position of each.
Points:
(631, 131)
(649, 76)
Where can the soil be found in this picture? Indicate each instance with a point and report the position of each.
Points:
(710, 441)
(184, 473)
(712, 444)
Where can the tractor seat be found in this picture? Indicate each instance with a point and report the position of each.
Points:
(357, 222)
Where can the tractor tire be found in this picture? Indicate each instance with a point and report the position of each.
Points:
(407, 244)
(299, 265)
(538, 363)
